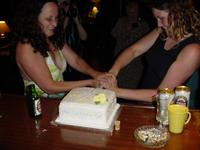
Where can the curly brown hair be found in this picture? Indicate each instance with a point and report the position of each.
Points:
(185, 18)
(27, 30)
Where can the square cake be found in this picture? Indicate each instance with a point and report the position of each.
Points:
(88, 107)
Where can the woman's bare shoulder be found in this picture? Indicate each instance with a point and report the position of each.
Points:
(25, 48)
(191, 53)
(22, 48)
(192, 49)
(24, 51)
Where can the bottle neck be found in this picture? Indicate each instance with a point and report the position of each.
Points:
(31, 91)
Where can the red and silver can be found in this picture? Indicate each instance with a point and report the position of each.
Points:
(164, 98)
(182, 95)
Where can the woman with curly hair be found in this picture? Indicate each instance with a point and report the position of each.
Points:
(41, 53)
(172, 51)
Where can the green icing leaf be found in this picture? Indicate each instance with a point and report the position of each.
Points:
(97, 102)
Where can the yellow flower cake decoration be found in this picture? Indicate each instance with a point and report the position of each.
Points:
(100, 98)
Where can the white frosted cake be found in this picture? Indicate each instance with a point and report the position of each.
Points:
(88, 107)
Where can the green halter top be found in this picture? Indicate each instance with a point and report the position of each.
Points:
(56, 74)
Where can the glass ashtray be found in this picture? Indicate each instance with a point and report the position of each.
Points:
(151, 136)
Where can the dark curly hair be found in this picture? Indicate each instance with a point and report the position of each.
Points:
(27, 30)
(186, 19)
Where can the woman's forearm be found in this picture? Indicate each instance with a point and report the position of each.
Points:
(64, 86)
(81, 31)
(136, 94)
(125, 58)
(85, 68)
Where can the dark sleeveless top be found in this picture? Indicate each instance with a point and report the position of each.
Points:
(158, 60)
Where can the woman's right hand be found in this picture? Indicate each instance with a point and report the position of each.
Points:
(108, 81)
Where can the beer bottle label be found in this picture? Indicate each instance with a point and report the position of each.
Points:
(37, 107)
(182, 100)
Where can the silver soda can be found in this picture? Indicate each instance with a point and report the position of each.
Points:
(182, 95)
(164, 98)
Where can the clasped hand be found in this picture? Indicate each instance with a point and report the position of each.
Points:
(107, 80)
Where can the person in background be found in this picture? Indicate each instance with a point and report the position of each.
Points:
(72, 24)
(129, 28)
(126, 31)
(74, 34)
(41, 52)
(172, 51)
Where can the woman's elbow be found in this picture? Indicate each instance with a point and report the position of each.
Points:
(48, 88)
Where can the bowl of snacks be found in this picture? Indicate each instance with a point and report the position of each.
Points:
(151, 136)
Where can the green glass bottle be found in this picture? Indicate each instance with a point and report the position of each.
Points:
(33, 101)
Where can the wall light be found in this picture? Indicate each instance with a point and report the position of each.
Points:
(3, 29)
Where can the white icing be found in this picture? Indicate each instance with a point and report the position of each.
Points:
(78, 108)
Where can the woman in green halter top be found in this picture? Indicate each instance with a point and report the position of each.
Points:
(41, 53)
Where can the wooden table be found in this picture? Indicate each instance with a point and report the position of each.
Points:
(20, 132)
